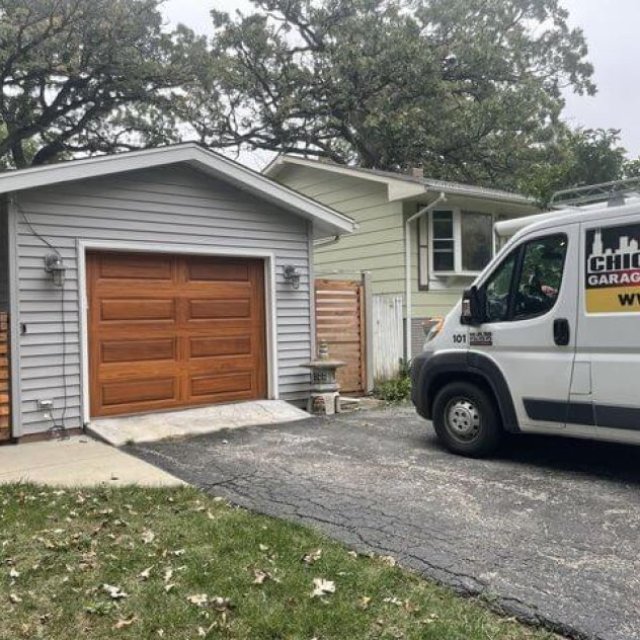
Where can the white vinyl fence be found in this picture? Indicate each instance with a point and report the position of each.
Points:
(387, 336)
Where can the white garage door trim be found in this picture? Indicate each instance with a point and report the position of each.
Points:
(114, 245)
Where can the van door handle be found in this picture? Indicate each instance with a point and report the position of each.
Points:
(561, 332)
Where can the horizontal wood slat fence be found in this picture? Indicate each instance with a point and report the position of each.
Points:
(5, 406)
(340, 322)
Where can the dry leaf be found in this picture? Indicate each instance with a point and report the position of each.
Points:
(148, 536)
(15, 598)
(363, 602)
(114, 592)
(168, 574)
(312, 557)
(260, 577)
(322, 587)
(221, 604)
(199, 599)
(179, 552)
(13, 573)
(124, 622)
(169, 587)
(393, 600)
(263, 547)
(353, 554)
(390, 560)
(144, 575)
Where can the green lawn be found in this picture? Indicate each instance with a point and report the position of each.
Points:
(175, 563)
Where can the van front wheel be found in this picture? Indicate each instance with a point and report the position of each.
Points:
(466, 420)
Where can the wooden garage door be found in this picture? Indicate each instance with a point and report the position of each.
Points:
(174, 331)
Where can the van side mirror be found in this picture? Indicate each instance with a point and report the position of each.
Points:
(472, 307)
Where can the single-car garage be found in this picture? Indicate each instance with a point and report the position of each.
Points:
(155, 280)
(168, 331)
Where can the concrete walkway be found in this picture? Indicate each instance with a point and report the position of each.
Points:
(78, 461)
(122, 430)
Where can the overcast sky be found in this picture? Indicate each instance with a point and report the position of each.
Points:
(610, 27)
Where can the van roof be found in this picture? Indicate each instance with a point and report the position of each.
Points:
(519, 226)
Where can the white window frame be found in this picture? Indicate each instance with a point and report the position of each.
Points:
(457, 214)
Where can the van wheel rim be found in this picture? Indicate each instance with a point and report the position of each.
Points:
(463, 419)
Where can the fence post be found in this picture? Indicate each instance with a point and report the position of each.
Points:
(368, 330)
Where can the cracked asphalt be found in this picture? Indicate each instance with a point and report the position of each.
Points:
(548, 530)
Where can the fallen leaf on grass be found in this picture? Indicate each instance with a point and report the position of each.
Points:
(123, 623)
(15, 598)
(169, 587)
(114, 592)
(312, 557)
(221, 604)
(199, 599)
(260, 577)
(148, 536)
(144, 575)
(13, 573)
(168, 574)
(322, 587)
(263, 547)
(389, 560)
(363, 602)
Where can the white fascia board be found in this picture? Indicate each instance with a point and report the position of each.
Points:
(326, 220)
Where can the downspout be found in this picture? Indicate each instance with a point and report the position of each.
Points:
(407, 268)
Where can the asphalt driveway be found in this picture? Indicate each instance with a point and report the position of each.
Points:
(550, 529)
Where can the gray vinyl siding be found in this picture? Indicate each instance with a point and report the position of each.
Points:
(170, 206)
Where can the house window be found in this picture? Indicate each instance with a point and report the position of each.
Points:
(443, 241)
(461, 243)
(476, 239)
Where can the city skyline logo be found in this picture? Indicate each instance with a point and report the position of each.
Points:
(613, 269)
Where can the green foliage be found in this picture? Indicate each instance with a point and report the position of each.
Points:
(577, 158)
(89, 76)
(394, 390)
(468, 89)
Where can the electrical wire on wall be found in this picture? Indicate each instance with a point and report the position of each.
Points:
(60, 427)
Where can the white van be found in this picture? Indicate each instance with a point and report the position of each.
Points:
(547, 340)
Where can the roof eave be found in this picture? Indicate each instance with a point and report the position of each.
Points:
(325, 219)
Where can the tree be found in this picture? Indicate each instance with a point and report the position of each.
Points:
(578, 158)
(89, 76)
(469, 89)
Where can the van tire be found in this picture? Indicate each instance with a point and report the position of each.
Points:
(466, 420)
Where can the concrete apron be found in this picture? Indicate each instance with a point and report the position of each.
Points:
(123, 430)
(79, 461)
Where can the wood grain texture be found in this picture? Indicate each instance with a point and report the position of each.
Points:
(340, 323)
(5, 398)
(170, 331)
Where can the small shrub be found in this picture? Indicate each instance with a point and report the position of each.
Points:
(393, 390)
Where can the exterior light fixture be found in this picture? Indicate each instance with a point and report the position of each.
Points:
(291, 276)
(54, 266)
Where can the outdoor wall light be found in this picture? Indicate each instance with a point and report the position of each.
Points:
(291, 276)
(54, 266)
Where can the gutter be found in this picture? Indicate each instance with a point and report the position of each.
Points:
(325, 242)
(407, 268)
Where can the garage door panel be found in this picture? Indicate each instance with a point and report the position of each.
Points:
(136, 267)
(132, 310)
(217, 270)
(119, 392)
(131, 351)
(212, 346)
(183, 330)
(221, 383)
(219, 308)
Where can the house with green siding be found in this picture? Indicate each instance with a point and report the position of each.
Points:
(445, 246)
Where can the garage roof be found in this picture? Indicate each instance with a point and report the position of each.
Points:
(326, 221)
